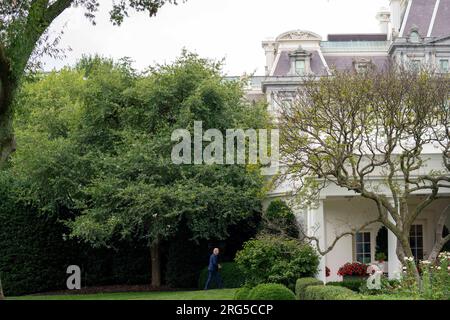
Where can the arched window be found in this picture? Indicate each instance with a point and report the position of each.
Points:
(414, 37)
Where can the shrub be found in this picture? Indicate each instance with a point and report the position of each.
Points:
(242, 293)
(231, 275)
(281, 215)
(270, 259)
(271, 291)
(352, 284)
(329, 293)
(185, 260)
(302, 284)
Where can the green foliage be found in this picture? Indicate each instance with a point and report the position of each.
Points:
(436, 278)
(270, 259)
(280, 215)
(231, 275)
(271, 291)
(34, 256)
(243, 293)
(102, 149)
(352, 284)
(185, 260)
(329, 293)
(302, 284)
(95, 153)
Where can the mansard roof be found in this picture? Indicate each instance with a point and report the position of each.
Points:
(430, 18)
(346, 62)
(441, 26)
(284, 63)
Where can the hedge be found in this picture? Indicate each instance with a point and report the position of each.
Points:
(271, 291)
(353, 284)
(231, 275)
(330, 293)
(302, 284)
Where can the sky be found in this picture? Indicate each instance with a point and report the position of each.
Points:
(216, 29)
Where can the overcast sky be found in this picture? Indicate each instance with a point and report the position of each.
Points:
(230, 29)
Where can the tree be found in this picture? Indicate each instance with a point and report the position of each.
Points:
(23, 27)
(281, 216)
(98, 143)
(347, 128)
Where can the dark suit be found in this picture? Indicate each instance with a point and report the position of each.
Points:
(213, 272)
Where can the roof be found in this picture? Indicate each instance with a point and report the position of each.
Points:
(284, 65)
(441, 26)
(358, 37)
(346, 62)
(430, 18)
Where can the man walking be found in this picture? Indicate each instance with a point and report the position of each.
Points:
(213, 270)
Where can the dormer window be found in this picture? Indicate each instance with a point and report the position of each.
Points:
(300, 67)
(414, 37)
(362, 65)
(300, 62)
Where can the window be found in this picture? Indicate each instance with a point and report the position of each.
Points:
(363, 247)
(415, 64)
(362, 67)
(444, 66)
(414, 37)
(300, 67)
(416, 241)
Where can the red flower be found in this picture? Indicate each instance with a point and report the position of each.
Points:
(327, 272)
(353, 269)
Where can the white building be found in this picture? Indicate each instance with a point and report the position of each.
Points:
(415, 31)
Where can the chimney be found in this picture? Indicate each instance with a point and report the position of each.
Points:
(384, 18)
(396, 15)
(270, 48)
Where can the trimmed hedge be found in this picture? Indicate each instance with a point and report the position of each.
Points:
(271, 291)
(302, 284)
(354, 284)
(330, 293)
(231, 275)
(243, 293)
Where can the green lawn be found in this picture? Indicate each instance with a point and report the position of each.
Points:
(225, 294)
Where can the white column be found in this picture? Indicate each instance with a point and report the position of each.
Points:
(316, 228)
(394, 264)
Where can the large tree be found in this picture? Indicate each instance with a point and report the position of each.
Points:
(349, 128)
(97, 142)
(23, 28)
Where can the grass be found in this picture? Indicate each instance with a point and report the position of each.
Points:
(225, 294)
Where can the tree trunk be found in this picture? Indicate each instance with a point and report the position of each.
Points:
(7, 139)
(404, 250)
(440, 241)
(156, 264)
(2, 296)
(7, 89)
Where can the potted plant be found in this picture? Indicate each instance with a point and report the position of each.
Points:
(355, 270)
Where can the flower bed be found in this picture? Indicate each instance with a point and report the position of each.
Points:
(355, 269)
